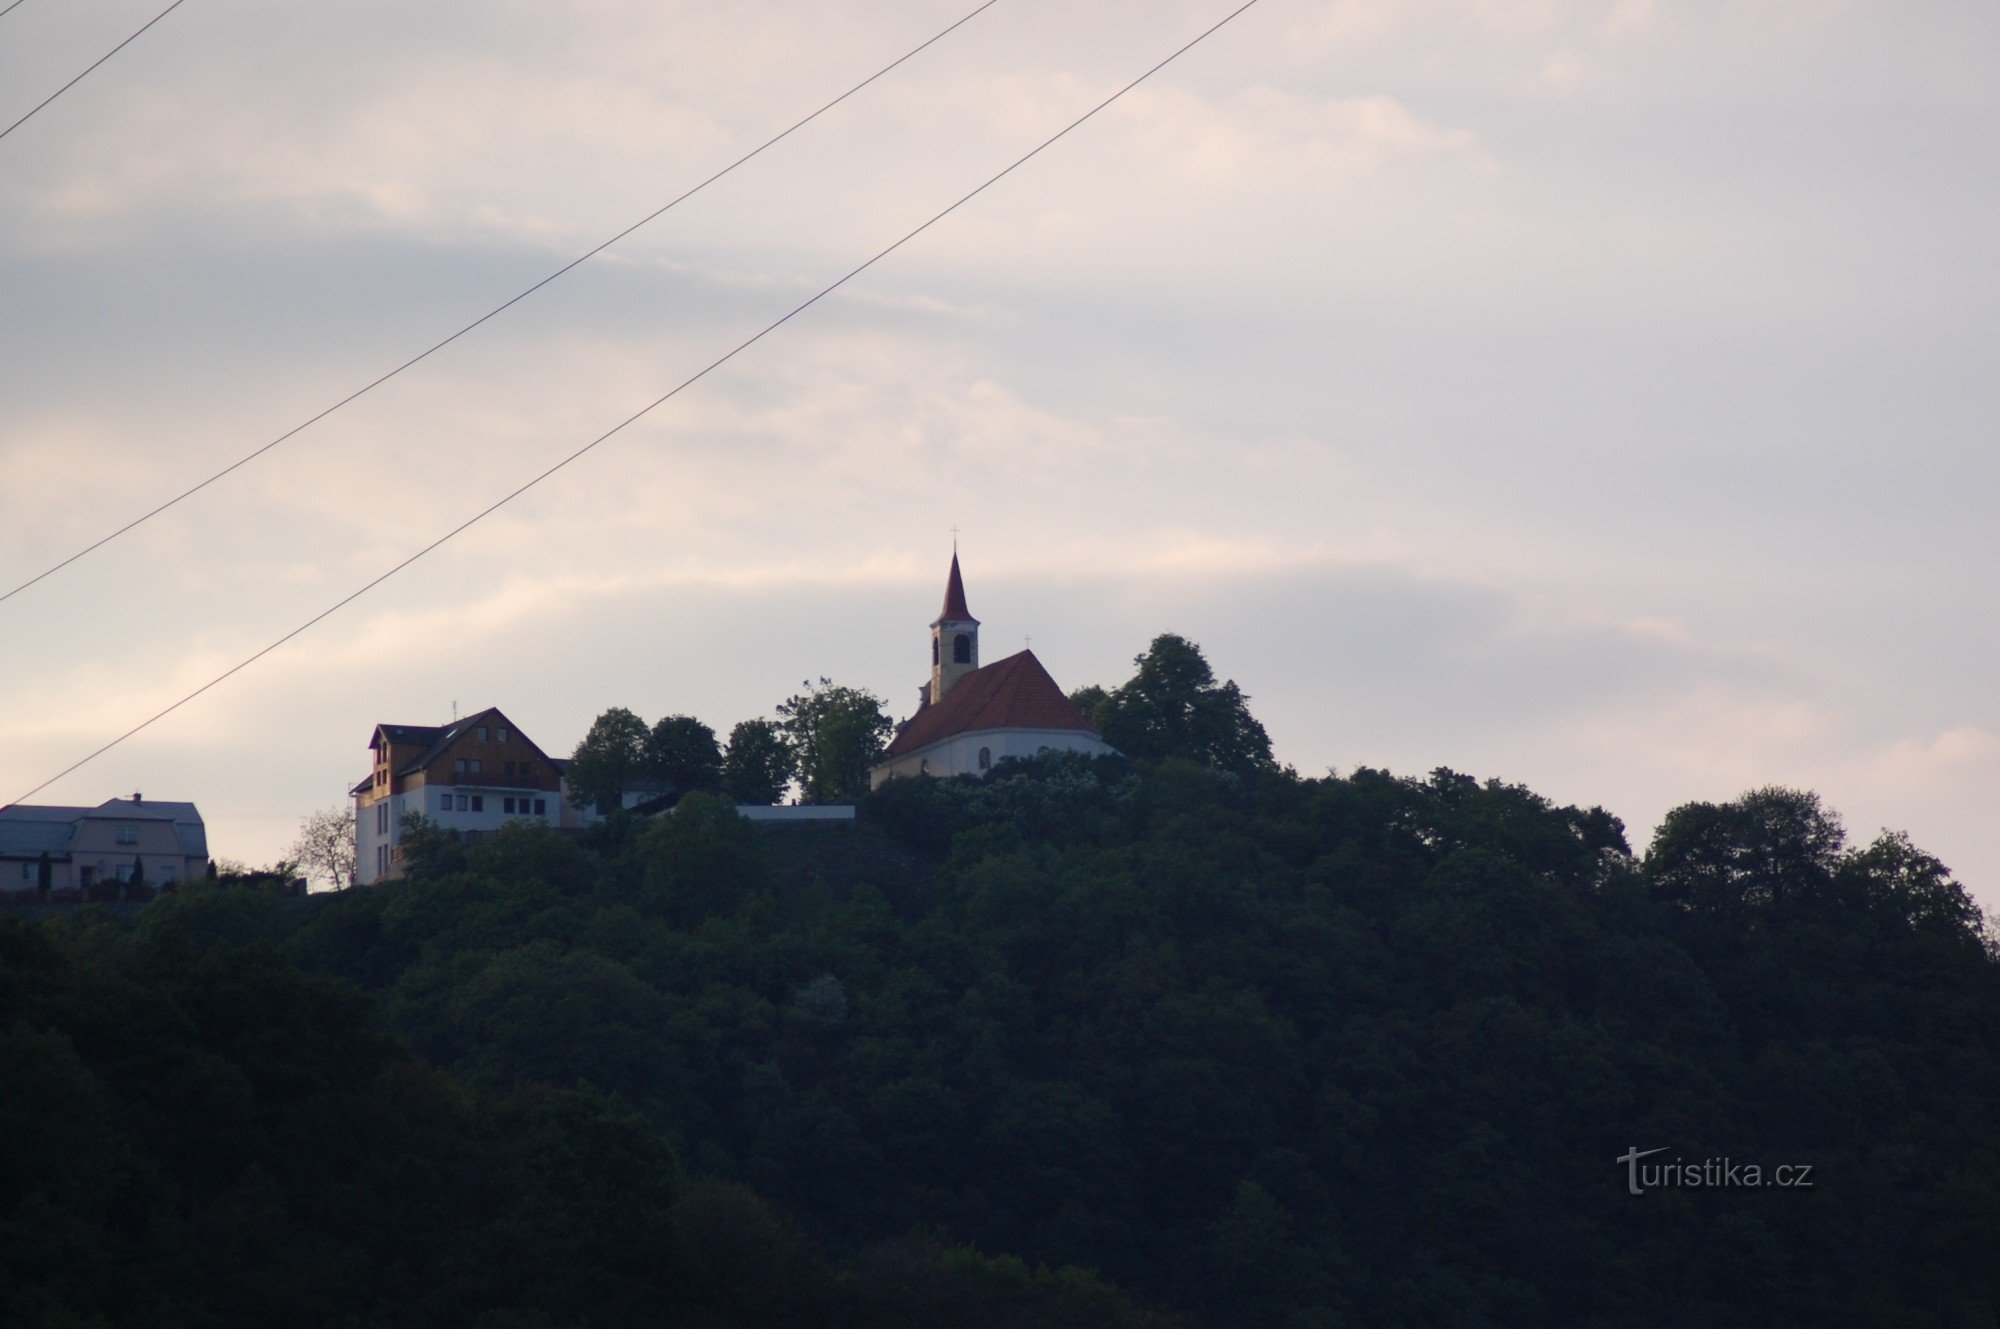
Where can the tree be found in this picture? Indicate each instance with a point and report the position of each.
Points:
(681, 752)
(1895, 879)
(1173, 707)
(609, 758)
(1769, 849)
(324, 850)
(837, 733)
(759, 763)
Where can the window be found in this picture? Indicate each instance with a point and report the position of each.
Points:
(381, 860)
(86, 876)
(128, 835)
(961, 649)
(479, 732)
(985, 759)
(478, 803)
(124, 872)
(501, 734)
(27, 871)
(476, 768)
(541, 807)
(459, 766)
(508, 806)
(463, 803)
(382, 817)
(510, 770)
(934, 651)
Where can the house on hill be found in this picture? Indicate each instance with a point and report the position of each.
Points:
(471, 775)
(970, 716)
(124, 848)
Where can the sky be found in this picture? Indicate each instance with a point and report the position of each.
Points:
(1597, 396)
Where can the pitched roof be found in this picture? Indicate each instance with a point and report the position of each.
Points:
(954, 610)
(436, 738)
(186, 819)
(400, 734)
(1014, 693)
(27, 830)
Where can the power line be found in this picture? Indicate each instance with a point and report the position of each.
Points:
(643, 411)
(10, 9)
(492, 313)
(93, 64)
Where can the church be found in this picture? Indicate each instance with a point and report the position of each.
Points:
(970, 717)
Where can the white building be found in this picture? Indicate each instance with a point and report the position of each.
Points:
(472, 775)
(970, 717)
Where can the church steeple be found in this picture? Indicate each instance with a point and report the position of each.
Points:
(954, 637)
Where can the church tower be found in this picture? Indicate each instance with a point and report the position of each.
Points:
(954, 638)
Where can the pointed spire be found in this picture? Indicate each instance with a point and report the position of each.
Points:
(954, 596)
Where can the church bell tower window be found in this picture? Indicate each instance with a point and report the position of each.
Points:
(961, 649)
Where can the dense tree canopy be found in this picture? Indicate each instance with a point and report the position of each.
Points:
(1258, 1049)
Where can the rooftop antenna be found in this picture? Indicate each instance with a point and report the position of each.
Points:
(454, 710)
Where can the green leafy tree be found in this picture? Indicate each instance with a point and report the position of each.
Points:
(838, 733)
(759, 762)
(610, 757)
(682, 753)
(1173, 707)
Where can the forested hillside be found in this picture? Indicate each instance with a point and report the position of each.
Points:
(1257, 1049)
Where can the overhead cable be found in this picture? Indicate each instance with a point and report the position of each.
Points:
(365, 389)
(93, 65)
(647, 409)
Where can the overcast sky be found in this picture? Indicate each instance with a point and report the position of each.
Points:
(1598, 396)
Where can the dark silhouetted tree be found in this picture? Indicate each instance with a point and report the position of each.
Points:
(759, 763)
(610, 757)
(838, 733)
(681, 752)
(1173, 707)
(1768, 850)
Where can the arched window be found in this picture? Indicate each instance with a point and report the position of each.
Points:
(961, 649)
(934, 652)
(986, 759)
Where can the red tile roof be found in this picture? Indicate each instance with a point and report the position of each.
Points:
(1014, 693)
(954, 598)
